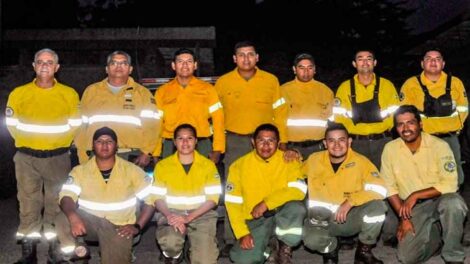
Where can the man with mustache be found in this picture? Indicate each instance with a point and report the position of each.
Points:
(420, 173)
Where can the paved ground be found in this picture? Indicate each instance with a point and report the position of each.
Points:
(147, 251)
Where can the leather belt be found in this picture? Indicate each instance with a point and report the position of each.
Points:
(372, 136)
(306, 143)
(43, 153)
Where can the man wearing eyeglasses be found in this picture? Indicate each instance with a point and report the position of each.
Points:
(42, 117)
(263, 198)
(123, 105)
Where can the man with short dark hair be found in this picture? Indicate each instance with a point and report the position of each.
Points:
(420, 173)
(310, 105)
(441, 99)
(263, 198)
(189, 100)
(99, 201)
(250, 97)
(344, 198)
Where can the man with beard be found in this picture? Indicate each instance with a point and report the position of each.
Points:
(421, 177)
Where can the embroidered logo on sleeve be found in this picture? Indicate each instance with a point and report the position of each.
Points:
(401, 96)
(450, 166)
(337, 102)
(69, 180)
(9, 112)
(229, 187)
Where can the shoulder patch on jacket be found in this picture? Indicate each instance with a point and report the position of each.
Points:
(229, 187)
(148, 179)
(9, 112)
(450, 166)
(69, 180)
(337, 101)
(401, 96)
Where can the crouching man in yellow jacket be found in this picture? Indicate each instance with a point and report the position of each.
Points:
(99, 201)
(263, 199)
(186, 192)
(345, 198)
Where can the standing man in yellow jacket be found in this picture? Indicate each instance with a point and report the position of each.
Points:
(250, 97)
(364, 104)
(99, 201)
(309, 103)
(263, 198)
(123, 105)
(186, 192)
(420, 173)
(441, 100)
(187, 99)
(42, 117)
(345, 196)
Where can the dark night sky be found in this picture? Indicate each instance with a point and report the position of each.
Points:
(288, 30)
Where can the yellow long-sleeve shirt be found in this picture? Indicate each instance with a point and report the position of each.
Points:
(252, 180)
(388, 102)
(186, 191)
(309, 105)
(433, 165)
(356, 180)
(194, 104)
(43, 119)
(131, 113)
(115, 200)
(250, 103)
(412, 93)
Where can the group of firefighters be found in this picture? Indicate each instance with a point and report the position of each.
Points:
(302, 164)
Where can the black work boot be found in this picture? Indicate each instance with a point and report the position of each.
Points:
(364, 254)
(347, 243)
(331, 257)
(274, 246)
(225, 251)
(53, 254)
(284, 255)
(28, 252)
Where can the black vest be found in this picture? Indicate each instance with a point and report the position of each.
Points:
(441, 106)
(368, 111)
